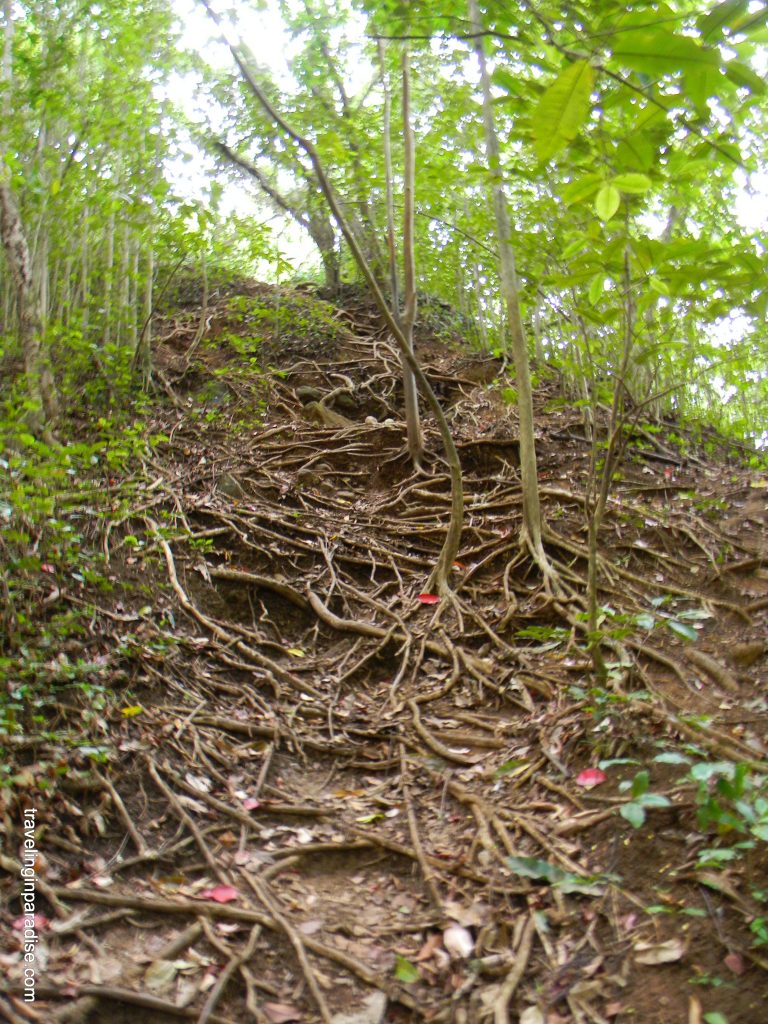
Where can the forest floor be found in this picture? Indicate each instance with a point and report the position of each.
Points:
(276, 782)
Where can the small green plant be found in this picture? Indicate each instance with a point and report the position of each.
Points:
(202, 544)
(759, 928)
(731, 798)
(555, 635)
(641, 799)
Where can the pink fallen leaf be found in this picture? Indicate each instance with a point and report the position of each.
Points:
(220, 894)
(310, 927)
(654, 953)
(281, 1013)
(735, 963)
(47, 567)
(251, 803)
(590, 777)
(41, 922)
(428, 598)
(458, 941)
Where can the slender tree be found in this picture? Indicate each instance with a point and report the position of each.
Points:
(413, 423)
(39, 378)
(532, 523)
(440, 577)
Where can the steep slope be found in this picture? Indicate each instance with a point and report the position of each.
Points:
(312, 791)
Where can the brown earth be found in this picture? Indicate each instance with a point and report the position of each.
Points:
(312, 781)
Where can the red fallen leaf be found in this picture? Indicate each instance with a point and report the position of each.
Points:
(41, 923)
(428, 598)
(590, 777)
(734, 962)
(459, 565)
(47, 567)
(220, 894)
(251, 803)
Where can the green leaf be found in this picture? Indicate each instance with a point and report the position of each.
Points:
(405, 971)
(582, 188)
(596, 288)
(721, 16)
(562, 109)
(368, 819)
(694, 615)
(659, 286)
(750, 21)
(607, 202)
(566, 881)
(636, 151)
(715, 1018)
(506, 80)
(655, 800)
(634, 814)
(682, 629)
(671, 757)
(645, 620)
(704, 771)
(743, 76)
(575, 247)
(661, 52)
(702, 83)
(633, 183)
(509, 766)
(640, 784)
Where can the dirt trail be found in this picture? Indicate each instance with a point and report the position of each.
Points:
(329, 798)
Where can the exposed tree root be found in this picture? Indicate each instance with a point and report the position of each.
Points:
(306, 726)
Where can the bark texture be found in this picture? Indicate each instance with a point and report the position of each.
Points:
(40, 383)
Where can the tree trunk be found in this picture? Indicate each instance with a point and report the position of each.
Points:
(411, 394)
(142, 357)
(40, 383)
(84, 272)
(324, 237)
(109, 274)
(531, 506)
(440, 576)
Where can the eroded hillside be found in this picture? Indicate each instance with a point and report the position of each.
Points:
(277, 781)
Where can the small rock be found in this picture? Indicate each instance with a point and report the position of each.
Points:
(306, 393)
(371, 1011)
(228, 485)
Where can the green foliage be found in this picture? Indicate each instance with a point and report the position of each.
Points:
(643, 123)
(641, 799)
(731, 798)
(52, 498)
(562, 109)
(565, 881)
(278, 318)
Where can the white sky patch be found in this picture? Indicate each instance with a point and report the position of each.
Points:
(192, 170)
(752, 201)
(264, 33)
